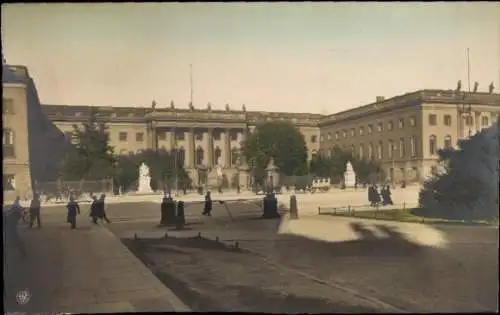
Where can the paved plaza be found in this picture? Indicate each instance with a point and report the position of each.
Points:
(362, 265)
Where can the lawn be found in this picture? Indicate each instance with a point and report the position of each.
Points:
(405, 215)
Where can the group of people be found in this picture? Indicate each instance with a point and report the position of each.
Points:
(97, 210)
(374, 197)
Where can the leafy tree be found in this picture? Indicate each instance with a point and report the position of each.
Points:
(333, 166)
(92, 158)
(279, 140)
(367, 171)
(163, 169)
(466, 186)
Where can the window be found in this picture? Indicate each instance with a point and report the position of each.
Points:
(344, 134)
(217, 156)
(234, 136)
(432, 119)
(391, 149)
(390, 126)
(313, 139)
(321, 138)
(380, 127)
(468, 120)
(413, 146)
(401, 123)
(122, 136)
(8, 143)
(402, 149)
(380, 150)
(336, 136)
(329, 136)
(447, 141)
(198, 136)
(370, 129)
(9, 182)
(200, 155)
(8, 106)
(234, 156)
(353, 150)
(360, 154)
(8, 137)
(447, 120)
(432, 145)
(353, 132)
(413, 122)
(370, 151)
(162, 135)
(139, 136)
(361, 130)
(484, 121)
(216, 135)
(179, 135)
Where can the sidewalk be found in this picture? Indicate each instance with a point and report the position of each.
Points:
(87, 270)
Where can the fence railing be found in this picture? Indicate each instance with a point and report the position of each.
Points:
(60, 190)
(352, 209)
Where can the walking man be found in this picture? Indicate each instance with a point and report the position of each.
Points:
(207, 209)
(73, 211)
(35, 211)
(101, 213)
(94, 209)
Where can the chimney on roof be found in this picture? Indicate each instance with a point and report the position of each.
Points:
(380, 99)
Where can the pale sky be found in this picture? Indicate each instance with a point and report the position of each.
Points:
(297, 57)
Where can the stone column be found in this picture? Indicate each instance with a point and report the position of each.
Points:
(227, 148)
(210, 147)
(171, 139)
(190, 151)
(152, 137)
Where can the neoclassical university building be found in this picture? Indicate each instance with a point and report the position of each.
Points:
(402, 133)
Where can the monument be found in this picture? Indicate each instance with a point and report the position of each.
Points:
(349, 176)
(144, 186)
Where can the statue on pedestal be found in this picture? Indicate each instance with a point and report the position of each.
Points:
(172, 105)
(209, 106)
(227, 108)
(491, 87)
(191, 106)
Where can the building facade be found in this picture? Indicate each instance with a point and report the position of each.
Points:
(404, 133)
(204, 138)
(33, 146)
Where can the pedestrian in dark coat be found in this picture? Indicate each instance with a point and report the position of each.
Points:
(388, 198)
(94, 209)
(371, 195)
(73, 211)
(376, 195)
(207, 209)
(35, 211)
(101, 213)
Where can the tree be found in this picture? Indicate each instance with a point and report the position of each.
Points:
(163, 169)
(279, 140)
(367, 171)
(466, 186)
(91, 158)
(332, 167)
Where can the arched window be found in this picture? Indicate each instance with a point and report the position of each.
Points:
(360, 155)
(390, 149)
(217, 156)
(370, 151)
(432, 145)
(329, 136)
(484, 121)
(181, 156)
(380, 150)
(234, 156)
(447, 141)
(200, 156)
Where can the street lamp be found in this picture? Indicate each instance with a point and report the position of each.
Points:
(271, 169)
